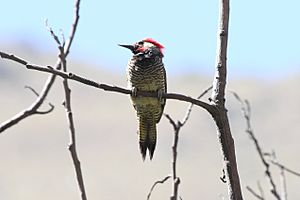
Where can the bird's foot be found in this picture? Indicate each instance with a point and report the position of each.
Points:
(134, 92)
(160, 93)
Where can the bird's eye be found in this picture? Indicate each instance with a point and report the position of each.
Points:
(141, 43)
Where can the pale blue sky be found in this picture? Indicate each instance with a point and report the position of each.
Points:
(264, 35)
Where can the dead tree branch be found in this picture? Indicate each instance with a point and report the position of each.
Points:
(32, 109)
(64, 51)
(246, 110)
(155, 183)
(176, 126)
(176, 179)
(105, 87)
(260, 190)
(189, 110)
(254, 193)
(218, 101)
(283, 169)
(283, 184)
(72, 145)
(259, 196)
(275, 162)
(37, 94)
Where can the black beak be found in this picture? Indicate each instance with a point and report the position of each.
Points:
(131, 47)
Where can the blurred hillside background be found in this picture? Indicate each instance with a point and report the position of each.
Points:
(263, 66)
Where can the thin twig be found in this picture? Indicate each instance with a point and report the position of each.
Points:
(283, 184)
(285, 168)
(189, 110)
(73, 28)
(177, 126)
(254, 193)
(54, 36)
(171, 121)
(260, 190)
(32, 109)
(246, 110)
(155, 183)
(176, 180)
(282, 176)
(37, 94)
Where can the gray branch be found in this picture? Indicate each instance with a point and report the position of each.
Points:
(254, 193)
(105, 87)
(37, 94)
(155, 183)
(64, 49)
(245, 107)
(218, 101)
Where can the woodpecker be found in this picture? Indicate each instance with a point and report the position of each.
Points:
(146, 72)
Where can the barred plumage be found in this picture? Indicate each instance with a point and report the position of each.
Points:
(146, 72)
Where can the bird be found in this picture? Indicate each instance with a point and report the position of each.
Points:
(146, 72)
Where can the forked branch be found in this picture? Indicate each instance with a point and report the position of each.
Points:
(246, 110)
(176, 127)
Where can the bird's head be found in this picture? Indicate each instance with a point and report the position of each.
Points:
(146, 48)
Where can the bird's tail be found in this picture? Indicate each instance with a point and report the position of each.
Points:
(147, 134)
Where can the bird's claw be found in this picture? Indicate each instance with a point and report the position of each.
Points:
(160, 93)
(134, 92)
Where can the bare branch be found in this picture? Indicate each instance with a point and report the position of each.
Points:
(72, 145)
(171, 121)
(62, 37)
(177, 126)
(72, 76)
(155, 183)
(282, 169)
(218, 100)
(260, 190)
(64, 51)
(73, 28)
(285, 168)
(32, 90)
(54, 36)
(245, 107)
(176, 180)
(13, 57)
(37, 94)
(189, 110)
(283, 184)
(254, 193)
(32, 109)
